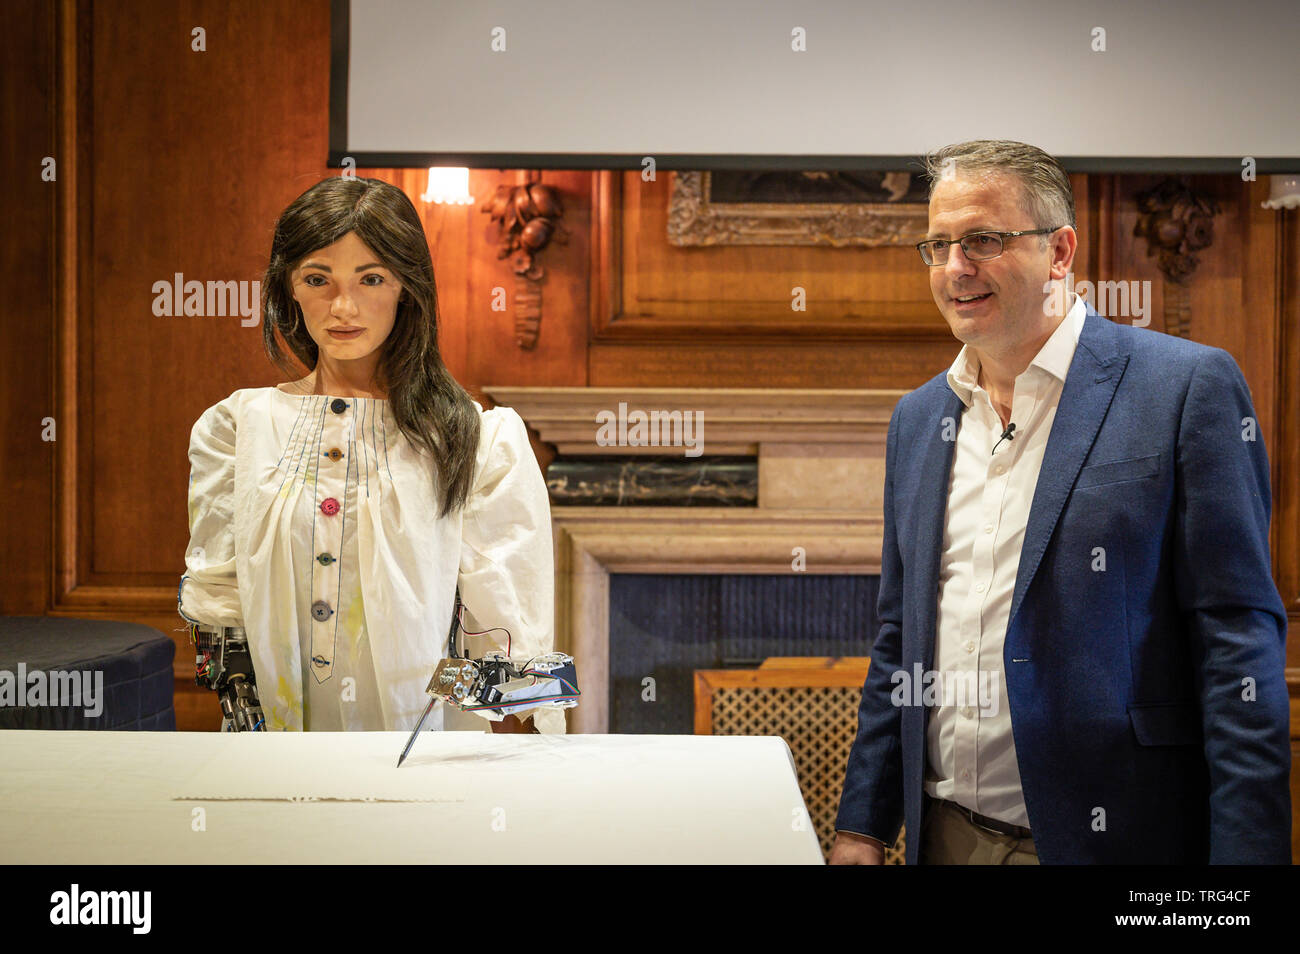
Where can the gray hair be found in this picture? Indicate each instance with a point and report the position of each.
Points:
(1045, 186)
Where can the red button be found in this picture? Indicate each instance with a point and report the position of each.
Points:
(329, 506)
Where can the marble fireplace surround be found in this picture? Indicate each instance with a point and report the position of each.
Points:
(821, 471)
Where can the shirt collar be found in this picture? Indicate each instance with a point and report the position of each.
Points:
(1054, 357)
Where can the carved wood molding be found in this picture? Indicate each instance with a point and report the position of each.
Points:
(528, 312)
(528, 215)
(1176, 222)
(71, 495)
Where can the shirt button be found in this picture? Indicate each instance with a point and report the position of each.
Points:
(988, 528)
(966, 712)
(966, 774)
(970, 645)
(338, 405)
(334, 454)
(1000, 470)
(320, 611)
(979, 587)
(329, 506)
(324, 559)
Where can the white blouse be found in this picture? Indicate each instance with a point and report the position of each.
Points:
(314, 525)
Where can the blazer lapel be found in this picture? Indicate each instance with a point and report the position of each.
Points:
(1090, 384)
(932, 505)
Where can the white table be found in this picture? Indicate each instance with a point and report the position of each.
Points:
(107, 797)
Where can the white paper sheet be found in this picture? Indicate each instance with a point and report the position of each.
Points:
(335, 767)
(93, 797)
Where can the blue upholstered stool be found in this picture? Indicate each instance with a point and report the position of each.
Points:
(131, 663)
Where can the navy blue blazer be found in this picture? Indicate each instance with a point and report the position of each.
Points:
(1148, 703)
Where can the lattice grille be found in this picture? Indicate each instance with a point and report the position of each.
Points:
(819, 725)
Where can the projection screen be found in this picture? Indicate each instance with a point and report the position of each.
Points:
(1104, 85)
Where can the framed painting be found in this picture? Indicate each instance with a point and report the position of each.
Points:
(797, 208)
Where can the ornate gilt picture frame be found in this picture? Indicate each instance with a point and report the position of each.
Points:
(797, 208)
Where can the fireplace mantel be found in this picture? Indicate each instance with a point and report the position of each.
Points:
(737, 420)
(821, 465)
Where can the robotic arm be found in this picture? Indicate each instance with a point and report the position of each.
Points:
(496, 683)
(222, 663)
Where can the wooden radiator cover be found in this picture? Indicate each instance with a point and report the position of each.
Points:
(812, 703)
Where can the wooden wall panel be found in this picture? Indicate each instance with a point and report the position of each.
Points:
(187, 175)
(28, 134)
(658, 291)
(721, 316)
(560, 354)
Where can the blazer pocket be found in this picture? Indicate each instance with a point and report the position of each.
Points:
(1173, 723)
(1113, 471)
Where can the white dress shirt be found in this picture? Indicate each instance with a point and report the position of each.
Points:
(971, 755)
(314, 525)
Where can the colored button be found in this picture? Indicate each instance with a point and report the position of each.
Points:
(338, 405)
(334, 454)
(324, 559)
(320, 660)
(320, 611)
(329, 506)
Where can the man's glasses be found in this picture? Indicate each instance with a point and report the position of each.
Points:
(977, 246)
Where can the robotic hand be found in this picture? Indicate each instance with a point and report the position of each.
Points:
(497, 684)
(222, 663)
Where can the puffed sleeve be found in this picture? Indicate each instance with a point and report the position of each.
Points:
(208, 591)
(507, 564)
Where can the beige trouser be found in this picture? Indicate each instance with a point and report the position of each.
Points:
(949, 838)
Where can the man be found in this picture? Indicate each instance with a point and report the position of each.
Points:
(1098, 573)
